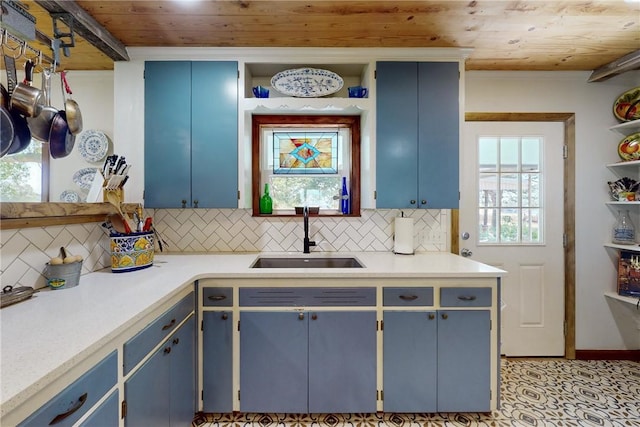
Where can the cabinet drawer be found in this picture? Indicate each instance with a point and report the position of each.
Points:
(140, 345)
(217, 297)
(465, 297)
(74, 401)
(294, 297)
(407, 296)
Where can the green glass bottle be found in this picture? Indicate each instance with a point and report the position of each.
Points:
(266, 204)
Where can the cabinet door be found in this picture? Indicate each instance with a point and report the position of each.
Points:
(214, 134)
(273, 362)
(217, 363)
(464, 361)
(410, 361)
(167, 130)
(342, 362)
(438, 135)
(106, 415)
(147, 391)
(182, 375)
(396, 134)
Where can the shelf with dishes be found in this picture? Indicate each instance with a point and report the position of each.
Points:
(326, 86)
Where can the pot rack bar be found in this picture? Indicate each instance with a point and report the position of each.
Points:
(41, 59)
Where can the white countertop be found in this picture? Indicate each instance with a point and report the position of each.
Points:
(43, 337)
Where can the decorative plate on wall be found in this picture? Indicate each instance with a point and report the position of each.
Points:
(629, 147)
(93, 145)
(627, 106)
(69, 196)
(307, 82)
(84, 177)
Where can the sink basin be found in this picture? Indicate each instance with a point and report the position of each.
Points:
(306, 263)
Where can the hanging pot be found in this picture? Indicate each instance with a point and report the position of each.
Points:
(21, 132)
(7, 130)
(71, 107)
(61, 140)
(40, 126)
(26, 99)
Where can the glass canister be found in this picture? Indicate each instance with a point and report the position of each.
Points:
(624, 232)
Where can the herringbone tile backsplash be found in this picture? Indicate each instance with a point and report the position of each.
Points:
(24, 252)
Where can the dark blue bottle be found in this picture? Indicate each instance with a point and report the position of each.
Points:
(344, 200)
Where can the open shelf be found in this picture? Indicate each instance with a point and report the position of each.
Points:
(627, 128)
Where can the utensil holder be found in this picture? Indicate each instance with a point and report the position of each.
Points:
(131, 252)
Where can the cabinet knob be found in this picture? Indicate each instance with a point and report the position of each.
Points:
(432, 316)
(413, 202)
(225, 316)
(424, 202)
(195, 203)
(301, 316)
(176, 341)
(184, 203)
(167, 350)
(314, 316)
(445, 316)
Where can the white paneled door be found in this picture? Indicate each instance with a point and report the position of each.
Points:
(511, 217)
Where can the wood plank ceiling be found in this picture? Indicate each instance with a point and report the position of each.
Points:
(505, 35)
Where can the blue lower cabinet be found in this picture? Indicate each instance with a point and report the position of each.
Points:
(410, 361)
(273, 362)
(437, 361)
(464, 361)
(217, 361)
(106, 415)
(162, 391)
(308, 362)
(342, 362)
(79, 397)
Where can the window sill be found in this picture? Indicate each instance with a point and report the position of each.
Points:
(321, 214)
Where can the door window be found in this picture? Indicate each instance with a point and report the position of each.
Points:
(509, 180)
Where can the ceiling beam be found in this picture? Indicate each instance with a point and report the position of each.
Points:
(88, 28)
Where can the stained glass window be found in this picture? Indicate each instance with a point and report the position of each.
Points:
(305, 153)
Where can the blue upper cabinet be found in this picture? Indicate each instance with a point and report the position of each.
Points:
(191, 134)
(417, 142)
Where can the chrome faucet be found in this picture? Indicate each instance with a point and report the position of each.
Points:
(306, 242)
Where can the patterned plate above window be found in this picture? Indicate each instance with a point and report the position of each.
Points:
(307, 82)
(93, 145)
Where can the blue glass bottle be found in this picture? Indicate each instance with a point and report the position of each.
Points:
(344, 199)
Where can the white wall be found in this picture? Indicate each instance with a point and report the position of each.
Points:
(596, 146)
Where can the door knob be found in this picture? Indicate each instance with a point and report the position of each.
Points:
(466, 252)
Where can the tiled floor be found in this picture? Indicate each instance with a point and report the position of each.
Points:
(534, 393)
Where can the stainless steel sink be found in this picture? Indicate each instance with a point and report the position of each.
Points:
(307, 263)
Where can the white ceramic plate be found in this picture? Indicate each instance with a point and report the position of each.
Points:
(93, 145)
(307, 82)
(69, 196)
(84, 177)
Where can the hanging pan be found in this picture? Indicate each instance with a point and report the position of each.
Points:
(40, 126)
(21, 132)
(71, 107)
(7, 130)
(26, 99)
(61, 140)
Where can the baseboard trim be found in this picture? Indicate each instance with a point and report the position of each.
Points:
(608, 355)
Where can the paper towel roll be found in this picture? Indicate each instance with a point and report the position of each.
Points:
(403, 241)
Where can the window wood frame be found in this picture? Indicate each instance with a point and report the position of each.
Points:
(258, 122)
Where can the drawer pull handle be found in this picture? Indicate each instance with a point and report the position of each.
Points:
(217, 297)
(408, 297)
(70, 412)
(467, 297)
(169, 325)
